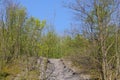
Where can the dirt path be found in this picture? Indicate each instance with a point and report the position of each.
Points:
(57, 70)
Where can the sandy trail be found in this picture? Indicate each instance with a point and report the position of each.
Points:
(57, 70)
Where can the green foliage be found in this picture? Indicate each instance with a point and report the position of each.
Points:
(23, 36)
(19, 36)
(75, 45)
(50, 45)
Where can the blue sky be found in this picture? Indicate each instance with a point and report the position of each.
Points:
(50, 10)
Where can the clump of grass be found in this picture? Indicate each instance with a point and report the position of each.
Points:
(22, 67)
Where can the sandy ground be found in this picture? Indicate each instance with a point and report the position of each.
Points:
(57, 70)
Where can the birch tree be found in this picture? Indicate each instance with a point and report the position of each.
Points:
(97, 17)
